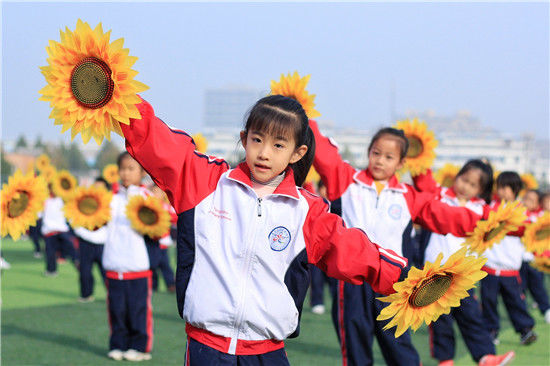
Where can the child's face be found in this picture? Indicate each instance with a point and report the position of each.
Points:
(267, 156)
(531, 201)
(505, 193)
(99, 184)
(130, 172)
(468, 185)
(385, 158)
(546, 203)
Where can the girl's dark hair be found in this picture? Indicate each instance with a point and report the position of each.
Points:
(277, 115)
(394, 132)
(486, 179)
(123, 155)
(512, 180)
(102, 180)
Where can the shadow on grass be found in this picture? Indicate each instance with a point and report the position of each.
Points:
(56, 293)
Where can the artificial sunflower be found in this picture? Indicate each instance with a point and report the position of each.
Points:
(110, 173)
(529, 181)
(509, 217)
(426, 294)
(91, 86)
(446, 175)
(537, 235)
(22, 198)
(293, 86)
(201, 143)
(89, 207)
(541, 263)
(48, 173)
(42, 162)
(64, 184)
(312, 175)
(147, 216)
(422, 143)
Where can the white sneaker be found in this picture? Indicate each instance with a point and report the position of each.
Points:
(37, 255)
(115, 354)
(133, 355)
(50, 274)
(86, 299)
(547, 316)
(4, 264)
(318, 309)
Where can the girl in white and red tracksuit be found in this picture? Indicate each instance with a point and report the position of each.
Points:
(503, 264)
(374, 201)
(246, 235)
(472, 189)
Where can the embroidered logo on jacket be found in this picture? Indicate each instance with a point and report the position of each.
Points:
(279, 238)
(395, 211)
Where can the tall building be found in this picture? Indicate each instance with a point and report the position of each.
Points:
(227, 107)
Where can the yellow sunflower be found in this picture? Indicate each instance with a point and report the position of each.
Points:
(48, 173)
(426, 294)
(90, 83)
(541, 263)
(64, 184)
(110, 173)
(537, 235)
(22, 198)
(147, 216)
(446, 175)
(509, 217)
(201, 143)
(529, 183)
(293, 86)
(496, 173)
(42, 162)
(312, 175)
(422, 143)
(89, 207)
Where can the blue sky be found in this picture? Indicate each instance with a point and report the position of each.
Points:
(491, 59)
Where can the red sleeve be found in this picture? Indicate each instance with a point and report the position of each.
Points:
(493, 207)
(439, 217)
(335, 172)
(169, 157)
(348, 254)
(426, 183)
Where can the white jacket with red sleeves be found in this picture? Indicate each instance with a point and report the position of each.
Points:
(385, 217)
(242, 261)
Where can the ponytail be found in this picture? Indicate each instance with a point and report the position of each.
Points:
(301, 167)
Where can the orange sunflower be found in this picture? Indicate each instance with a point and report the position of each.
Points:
(422, 143)
(446, 175)
(426, 294)
(201, 143)
(89, 207)
(541, 263)
(537, 235)
(42, 162)
(293, 86)
(147, 216)
(64, 184)
(110, 173)
(48, 173)
(90, 83)
(22, 198)
(508, 217)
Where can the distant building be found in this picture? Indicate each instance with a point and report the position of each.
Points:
(227, 107)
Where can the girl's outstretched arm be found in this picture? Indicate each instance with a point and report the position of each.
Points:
(335, 172)
(348, 254)
(169, 156)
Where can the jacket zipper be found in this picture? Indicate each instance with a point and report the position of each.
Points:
(259, 207)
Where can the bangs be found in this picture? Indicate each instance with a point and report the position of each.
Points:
(275, 122)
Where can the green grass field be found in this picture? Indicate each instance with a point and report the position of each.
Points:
(43, 324)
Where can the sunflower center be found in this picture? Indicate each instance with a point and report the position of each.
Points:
(494, 232)
(147, 215)
(447, 181)
(430, 290)
(543, 233)
(91, 83)
(65, 184)
(88, 205)
(18, 205)
(415, 147)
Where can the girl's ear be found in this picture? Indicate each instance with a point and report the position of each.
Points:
(243, 138)
(298, 154)
(401, 163)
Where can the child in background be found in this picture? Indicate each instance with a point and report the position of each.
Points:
(128, 273)
(531, 278)
(36, 236)
(374, 201)
(471, 189)
(91, 251)
(503, 265)
(55, 231)
(545, 202)
(246, 235)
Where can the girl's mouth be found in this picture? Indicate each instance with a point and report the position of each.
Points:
(261, 167)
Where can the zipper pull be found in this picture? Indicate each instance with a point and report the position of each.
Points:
(259, 207)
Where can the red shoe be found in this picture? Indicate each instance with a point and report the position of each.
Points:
(497, 360)
(446, 363)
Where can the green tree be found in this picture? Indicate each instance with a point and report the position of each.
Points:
(75, 158)
(58, 156)
(107, 155)
(38, 144)
(6, 169)
(21, 142)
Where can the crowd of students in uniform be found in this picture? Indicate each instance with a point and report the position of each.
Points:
(248, 238)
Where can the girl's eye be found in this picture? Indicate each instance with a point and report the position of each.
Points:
(255, 139)
(279, 146)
